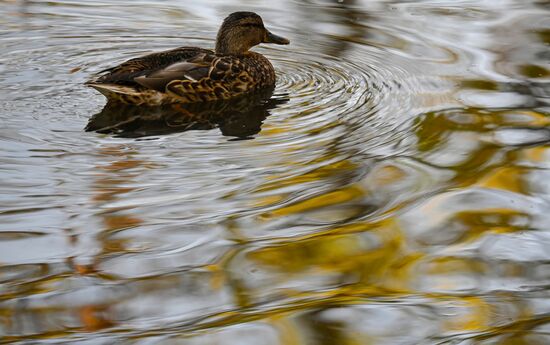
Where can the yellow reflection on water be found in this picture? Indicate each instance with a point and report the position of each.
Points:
(473, 315)
(320, 201)
(506, 178)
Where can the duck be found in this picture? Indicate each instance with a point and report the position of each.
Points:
(192, 74)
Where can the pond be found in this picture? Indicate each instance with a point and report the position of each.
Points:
(392, 190)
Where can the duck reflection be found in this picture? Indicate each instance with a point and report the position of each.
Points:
(240, 118)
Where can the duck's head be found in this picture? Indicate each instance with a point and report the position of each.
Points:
(241, 31)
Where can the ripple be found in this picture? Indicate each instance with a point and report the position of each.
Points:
(398, 173)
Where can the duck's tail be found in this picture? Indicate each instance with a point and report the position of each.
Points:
(128, 94)
(112, 89)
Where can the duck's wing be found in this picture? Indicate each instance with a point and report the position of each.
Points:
(201, 73)
(193, 70)
(189, 74)
(154, 65)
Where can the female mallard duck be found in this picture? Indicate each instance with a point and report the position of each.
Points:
(190, 74)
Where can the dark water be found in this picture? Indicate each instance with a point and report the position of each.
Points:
(394, 189)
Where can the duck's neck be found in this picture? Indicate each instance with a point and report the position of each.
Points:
(228, 44)
(223, 48)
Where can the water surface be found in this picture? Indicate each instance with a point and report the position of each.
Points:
(393, 190)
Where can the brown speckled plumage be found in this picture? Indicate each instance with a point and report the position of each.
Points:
(189, 74)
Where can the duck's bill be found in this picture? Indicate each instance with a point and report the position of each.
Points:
(272, 38)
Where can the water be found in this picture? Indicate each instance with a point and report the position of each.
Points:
(394, 190)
